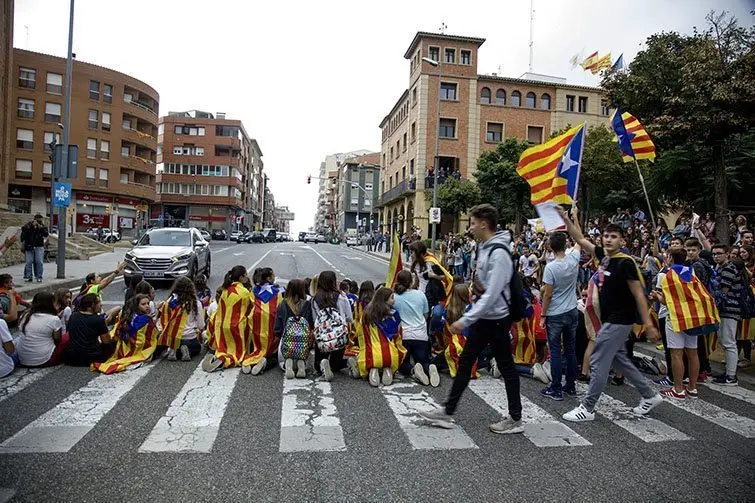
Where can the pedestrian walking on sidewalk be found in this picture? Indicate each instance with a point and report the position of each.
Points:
(33, 236)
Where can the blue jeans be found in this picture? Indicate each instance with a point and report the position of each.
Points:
(562, 326)
(419, 351)
(34, 260)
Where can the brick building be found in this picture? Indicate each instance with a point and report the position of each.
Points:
(324, 217)
(113, 122)
(476, 113)
(7, 107)
(357, 193)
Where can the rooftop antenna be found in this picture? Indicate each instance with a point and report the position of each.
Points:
(532, 26)
(26, 26)
(443, 27)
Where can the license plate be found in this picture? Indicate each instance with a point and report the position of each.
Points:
(153, 274)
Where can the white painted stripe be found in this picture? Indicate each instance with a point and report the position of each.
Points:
(20, 379)
(192, 421)
(59, 429)
(541, 428)
(309, 420)
(738, 392)
(251, 267)
(647, 429)
(406, 401)
(713, 413)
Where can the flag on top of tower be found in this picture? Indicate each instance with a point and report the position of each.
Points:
(634, 141)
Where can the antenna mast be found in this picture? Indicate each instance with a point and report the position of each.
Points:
(532, 25)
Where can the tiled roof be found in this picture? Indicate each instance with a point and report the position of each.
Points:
(441, 36)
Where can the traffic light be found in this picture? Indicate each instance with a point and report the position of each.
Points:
(309, 180)
(107, 210)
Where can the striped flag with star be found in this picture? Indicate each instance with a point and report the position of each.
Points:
(265, 301)
(172, 323)
(395, 266)
(633, 140)
(448, 279)
(380, 345)
(691, 308)
(523, 344)
(230, 327)
(136, 349)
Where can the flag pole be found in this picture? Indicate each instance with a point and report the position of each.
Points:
(645, 190)
(579, 166)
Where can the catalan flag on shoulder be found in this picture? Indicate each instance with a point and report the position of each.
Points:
(396, 265)
(634, 141)
(691, 307)
(552, 168)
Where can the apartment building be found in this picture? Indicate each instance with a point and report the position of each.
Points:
(476, 113)
(7, 107)
(330, 164)
(357, 194)
(114, 123)
(283, 218)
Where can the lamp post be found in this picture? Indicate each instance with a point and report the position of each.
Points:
(436, 164)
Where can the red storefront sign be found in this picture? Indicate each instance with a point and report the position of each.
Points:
(128, 201)
(94, 197)
(85, 220)
(214, 218)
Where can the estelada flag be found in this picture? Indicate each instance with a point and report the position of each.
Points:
(138, 347)
(172, 323)
(396, 265)
(448, 280)
(381, 345)
(230, 327)
(691, 308)
(523, 344)
(634, 142)
(455, 347)
(265, 301)
(352, 346)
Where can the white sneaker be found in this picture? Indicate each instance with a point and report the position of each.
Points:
(438, 417)
(547, 370)
(289, 368)
(387, 376)
(185, 354)
(539, 374)
(246, 369)
(434, 376)
(374, 377)
(172, 355)
(579, 414)
(259, 367)
(507, 426)
(327, 374)
(647, 404)
(210, 363)
(419, 375)
(301, 369)
(494, 368)
(353, 367)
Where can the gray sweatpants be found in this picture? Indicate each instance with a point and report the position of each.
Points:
(610, 350)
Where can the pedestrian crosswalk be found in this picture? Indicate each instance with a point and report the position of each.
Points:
(309, 413)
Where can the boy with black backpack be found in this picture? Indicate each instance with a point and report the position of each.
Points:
(499, 300)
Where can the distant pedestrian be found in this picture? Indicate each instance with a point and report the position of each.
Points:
(33, 236)
(387, 241)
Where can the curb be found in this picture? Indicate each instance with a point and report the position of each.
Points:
(29, 291)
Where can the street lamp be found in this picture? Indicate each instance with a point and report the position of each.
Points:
(436, 164)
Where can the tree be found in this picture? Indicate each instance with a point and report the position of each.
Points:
(695, 94)
(457, 196)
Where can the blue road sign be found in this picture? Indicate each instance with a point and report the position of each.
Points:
(62, 198)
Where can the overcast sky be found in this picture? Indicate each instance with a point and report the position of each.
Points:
(313, 78)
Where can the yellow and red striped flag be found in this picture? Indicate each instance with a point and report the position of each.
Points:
(265, 301)
(230, 327)
(137, 349)
(448, 279)
(172, 323)
(352, 346)
(600, 64)
(453, 351)
(381, 345)
(633, 140)
(396, 265)
(690, 306)
(590, 61)
(523, 344)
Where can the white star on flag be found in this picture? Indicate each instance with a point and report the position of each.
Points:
(567, 162)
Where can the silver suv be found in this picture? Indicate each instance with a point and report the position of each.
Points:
(169, 253)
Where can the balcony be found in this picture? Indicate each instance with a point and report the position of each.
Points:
(140, 190)
(404, 187)
(140, 138)
(443, 175)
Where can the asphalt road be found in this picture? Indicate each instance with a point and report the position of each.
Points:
(169, 432)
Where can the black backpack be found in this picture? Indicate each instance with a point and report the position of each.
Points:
(519, 307)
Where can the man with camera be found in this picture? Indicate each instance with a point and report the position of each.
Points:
(33, 236)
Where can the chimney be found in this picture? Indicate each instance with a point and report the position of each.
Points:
(220, 115)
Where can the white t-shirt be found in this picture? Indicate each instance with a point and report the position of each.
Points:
(523, 262)
(36, 345)
(212, 308)
(6, 362)
(422, 281)
(663, 310)
(194, 323)
(65, 316)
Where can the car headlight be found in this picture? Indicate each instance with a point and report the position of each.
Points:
(129, 256)
(179, 258)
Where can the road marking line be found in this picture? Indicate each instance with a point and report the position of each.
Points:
(738, 392)
(406, 400)
(249, 269)
(21, 378)
(309, 420)
(540, 428)
(61, 428)
(192, 421)
(647, 429)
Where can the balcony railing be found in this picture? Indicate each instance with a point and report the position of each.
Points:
(404, 187)
(143, 107)
(443, 175)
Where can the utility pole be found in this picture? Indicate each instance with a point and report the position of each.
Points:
(64, 164)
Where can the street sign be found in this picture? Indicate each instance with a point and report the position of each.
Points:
(434, 215)
(62, 197)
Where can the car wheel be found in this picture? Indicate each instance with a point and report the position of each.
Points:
(208, 267)
(193, 270)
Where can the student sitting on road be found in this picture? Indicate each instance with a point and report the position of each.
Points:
(364, 295)
(266, 297)
(293, 327)
(42, 339)
(204, 294)
(95, 284)
(63, 305)
(181, 321)
(380, 339)
(89, 338)
(332, 314)
(8, 355)
(9, 306)
(458, 304)
(210, 317)
(131, 283)
(145, 288)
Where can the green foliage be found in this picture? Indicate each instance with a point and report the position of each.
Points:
(457, 196)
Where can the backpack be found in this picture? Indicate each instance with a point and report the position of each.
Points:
(746, 299)
(296, 340)
(519, 306)
(331, 331)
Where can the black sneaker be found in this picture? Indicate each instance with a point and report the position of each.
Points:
(570, 392)
(617, 381)
(583, 378)
(726, 381)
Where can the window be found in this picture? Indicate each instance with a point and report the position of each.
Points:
(367, 186)
(104, 149)
(90, 176)
(433, 53)
(447, 91)
(583, 104)
(355, 201)
(104, 177)
(545, 101)
(52, 112)
(391, 154)
(535, 134)
(91, 148)
(227, 131)
(404, 142)
(500, 97)
(126, 124)
(411, 168)
(367, 202)
(485, 95)
(450, 56)
(93, 119)
(107, 93)
(414, 132)
(448, 128)
(529, 100)
(398, 147)
(106, 121)
(516, 99)
(27, 77)
(25, 108)
(124, 178)
(495, 132)
(25, 139)
(23, 168)
(125, 151)
(414, 96)
(569, 103)
(466, 57)
(54, 83)
(49, 135)
(46, 171)
(178, 150)
(199, 151)
(390, 182)
(94, 90)
(604, 108)
(195, 131)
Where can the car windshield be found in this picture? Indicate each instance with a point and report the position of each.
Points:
(166, 238)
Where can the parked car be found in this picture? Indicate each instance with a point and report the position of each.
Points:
(301, 236)
(219, 234)
(352, 241)
(310, 237)
(205, 234)
(251, 237)
(270, 235)
(283, 237)
(234, 235)
(169, 253)
(321, 238)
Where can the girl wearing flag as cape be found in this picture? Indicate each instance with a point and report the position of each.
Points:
(455, 309)
(380, 339)
(429, 275)
(181, 321)
(366, 292)
(266, 297)
(228, 333)
(136, 334)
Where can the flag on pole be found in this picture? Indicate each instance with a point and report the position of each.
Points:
(602, 63)
(589, 61)
(552, 168)
(396, 265)
(619, 64)
(634, 141)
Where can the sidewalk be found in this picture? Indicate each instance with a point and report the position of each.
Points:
(76, 271)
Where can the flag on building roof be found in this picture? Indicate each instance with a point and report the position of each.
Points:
(634, 141)
(619, 64)
(552, 168)
(395, 266)
(602, 63)
(589, 61)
